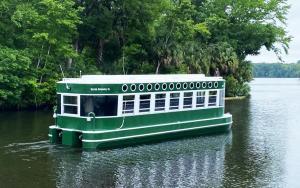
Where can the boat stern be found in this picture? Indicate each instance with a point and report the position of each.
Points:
(65, 137)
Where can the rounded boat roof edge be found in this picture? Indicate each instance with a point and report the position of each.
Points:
(146, 78)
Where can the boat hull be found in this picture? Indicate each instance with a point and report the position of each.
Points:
(128, 136)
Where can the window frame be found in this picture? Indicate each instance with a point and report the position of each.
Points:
(143, 100)
(103, 95)
(63, 105)
(170, 98)
(122, 104)
(216, 95)
(163, 109)
(221, 100)
(190, 106)
(202, 96)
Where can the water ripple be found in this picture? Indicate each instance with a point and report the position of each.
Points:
(27, 146)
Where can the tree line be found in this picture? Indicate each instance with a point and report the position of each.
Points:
(38, 38)
(276, 70)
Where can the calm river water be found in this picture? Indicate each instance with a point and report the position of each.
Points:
(262, 150)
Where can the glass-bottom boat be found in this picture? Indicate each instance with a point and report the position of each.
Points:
(106, 111)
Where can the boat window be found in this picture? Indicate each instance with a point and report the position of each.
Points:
(128, 104)
(164, 86)
(157, 86)
(200, 99)
(185, 85)
(192, 85)
(133, 87)
(141, 87)
(149, 87)
(145, 103)
(171, 86)
(187, 99)
(124, 88)
(58, 103)
(222, 97)
(101, 105)
(216, 84)
(174, 101)
(160, 101)
(70, 105)
(212, 99)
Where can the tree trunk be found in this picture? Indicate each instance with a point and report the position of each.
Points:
(100, 51)
(70, 60)
(76, 45)
(69, 63)
(40, 57)
(41, 78)
(157, 67)
(35, 101)
(123, 62)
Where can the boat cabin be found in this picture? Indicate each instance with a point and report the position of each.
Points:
(119, 95)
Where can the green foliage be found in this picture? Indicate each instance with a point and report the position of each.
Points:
(236, 84)
(236, 88)
(131, 37)
(40, 39)
(248, 25)
(15, 76)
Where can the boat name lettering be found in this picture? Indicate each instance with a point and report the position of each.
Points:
(100, 89)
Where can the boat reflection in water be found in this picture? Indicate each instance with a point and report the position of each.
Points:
(182, 163)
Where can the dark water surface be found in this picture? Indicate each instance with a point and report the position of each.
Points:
(262, 150)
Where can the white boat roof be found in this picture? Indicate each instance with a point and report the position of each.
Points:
(147, 78)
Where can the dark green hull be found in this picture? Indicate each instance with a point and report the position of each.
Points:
(132, 130)
(157, 138)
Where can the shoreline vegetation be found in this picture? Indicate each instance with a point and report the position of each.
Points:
(236, 98)
(40, 38)
(276, 70)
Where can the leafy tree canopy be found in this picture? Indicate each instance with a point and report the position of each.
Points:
(39, 37)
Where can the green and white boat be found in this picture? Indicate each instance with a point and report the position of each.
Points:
(105, 111)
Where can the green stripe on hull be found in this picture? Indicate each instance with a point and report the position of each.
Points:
(155, 128)
(156, 138)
